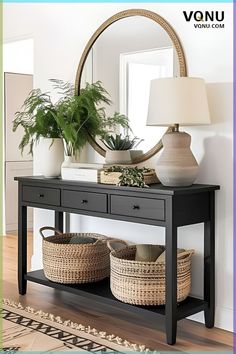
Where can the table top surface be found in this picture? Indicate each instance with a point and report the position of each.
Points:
(153, 188)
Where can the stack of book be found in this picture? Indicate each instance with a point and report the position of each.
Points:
(86, 172)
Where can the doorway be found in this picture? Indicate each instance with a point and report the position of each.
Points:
(18, 82)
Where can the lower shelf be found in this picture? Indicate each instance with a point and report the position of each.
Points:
(101, 292)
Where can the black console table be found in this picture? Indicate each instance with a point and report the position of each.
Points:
(157, 205)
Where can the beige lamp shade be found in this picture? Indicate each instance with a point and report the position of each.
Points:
(181, 100)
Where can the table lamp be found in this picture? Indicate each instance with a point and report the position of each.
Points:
(177, 101)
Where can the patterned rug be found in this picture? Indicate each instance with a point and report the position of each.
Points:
(26, 329)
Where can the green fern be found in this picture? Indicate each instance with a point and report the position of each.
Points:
(36, 119)
(75, 118)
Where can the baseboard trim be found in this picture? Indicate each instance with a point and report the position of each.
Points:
(14, 226)
(223, 318)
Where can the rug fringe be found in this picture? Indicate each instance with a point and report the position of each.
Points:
(80, 327)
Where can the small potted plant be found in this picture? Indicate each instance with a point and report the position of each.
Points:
(119, 148)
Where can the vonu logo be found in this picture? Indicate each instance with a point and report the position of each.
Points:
(204, 16)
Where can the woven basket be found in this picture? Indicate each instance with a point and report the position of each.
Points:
(113, 177)
(74, 263)
(143, 283)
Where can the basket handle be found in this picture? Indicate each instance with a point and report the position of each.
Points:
(109, 243)
(98, 241)
(188, 253)
(42, 229)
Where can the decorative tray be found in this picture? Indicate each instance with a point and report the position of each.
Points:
(114, 177)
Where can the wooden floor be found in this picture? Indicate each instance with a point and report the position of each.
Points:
(192, 336)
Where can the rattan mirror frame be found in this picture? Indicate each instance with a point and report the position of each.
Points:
(177, 45)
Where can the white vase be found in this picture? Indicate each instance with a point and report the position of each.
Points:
(118, 156)
(49, 154)
(67, 161)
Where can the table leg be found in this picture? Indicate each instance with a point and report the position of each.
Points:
(209, 265)
(22, 249)
(171, 283)
(59, 220)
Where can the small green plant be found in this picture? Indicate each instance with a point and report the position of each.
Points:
(118, 142)
(130, 176)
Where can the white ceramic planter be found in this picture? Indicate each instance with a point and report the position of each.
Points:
(118, 156)
(67, 161)
(50, 155)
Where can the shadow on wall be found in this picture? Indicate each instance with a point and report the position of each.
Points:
(220, 98)
(217, 162)
(216, 167)
(218, 149)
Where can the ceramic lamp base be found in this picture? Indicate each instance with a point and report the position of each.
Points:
(177, 167)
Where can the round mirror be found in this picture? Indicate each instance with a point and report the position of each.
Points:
(127, 51)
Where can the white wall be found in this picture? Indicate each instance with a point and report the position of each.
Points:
(18, 56)
(60, 32)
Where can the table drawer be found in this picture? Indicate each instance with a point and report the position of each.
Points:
(146, 208)
(49, 196)
(85, 201)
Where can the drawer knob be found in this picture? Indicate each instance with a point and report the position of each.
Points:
(41, 195)
(136, 207)
(84, 201)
